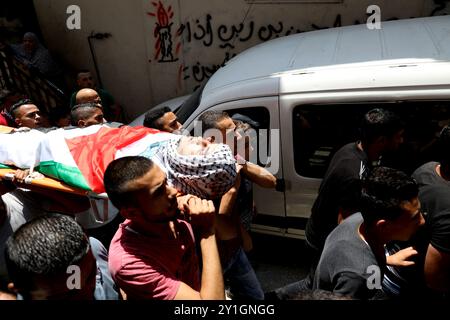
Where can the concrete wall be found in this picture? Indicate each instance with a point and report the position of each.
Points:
(160, 49)
(122, 58)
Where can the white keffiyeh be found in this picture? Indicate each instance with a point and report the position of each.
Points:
(206, 176)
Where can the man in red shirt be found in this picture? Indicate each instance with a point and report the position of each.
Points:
(152, 255)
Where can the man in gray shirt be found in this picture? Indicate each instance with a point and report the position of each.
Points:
(353, 260)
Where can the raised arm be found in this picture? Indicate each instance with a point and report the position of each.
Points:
(228, 200)
(202, 216)
(259, 175)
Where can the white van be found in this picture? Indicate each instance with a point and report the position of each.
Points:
(314, 88)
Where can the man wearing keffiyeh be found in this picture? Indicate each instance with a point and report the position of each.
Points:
(197, 167)
(208, 170)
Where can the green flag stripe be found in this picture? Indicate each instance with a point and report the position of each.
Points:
(70, 175)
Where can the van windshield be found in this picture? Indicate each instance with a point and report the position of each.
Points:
(188, 107)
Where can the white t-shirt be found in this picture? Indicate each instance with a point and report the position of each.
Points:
(21, 206)
(101, 212)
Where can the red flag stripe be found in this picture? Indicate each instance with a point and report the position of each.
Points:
(93, 153)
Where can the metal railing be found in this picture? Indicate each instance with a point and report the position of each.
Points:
(15, 76)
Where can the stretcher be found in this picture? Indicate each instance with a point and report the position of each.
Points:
(4, 129)
(42, 183)
(100, 205)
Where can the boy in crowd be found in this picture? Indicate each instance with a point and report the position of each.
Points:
(50, 258)
(353, 259)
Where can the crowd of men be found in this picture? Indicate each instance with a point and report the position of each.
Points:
(369, 218)
(178, 240)
(187, 258)
(181, 229)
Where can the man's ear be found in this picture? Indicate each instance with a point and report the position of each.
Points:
(18, 122)
(81, 124)
(130, 213)
(381, 224)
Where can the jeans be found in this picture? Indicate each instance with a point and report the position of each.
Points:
(290, 291)
(242, 278)
(105, 288)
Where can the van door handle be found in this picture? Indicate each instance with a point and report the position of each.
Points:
(281, 185)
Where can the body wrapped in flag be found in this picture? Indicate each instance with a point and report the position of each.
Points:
(79, 157)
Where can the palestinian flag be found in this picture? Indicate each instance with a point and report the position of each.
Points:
(79, 157)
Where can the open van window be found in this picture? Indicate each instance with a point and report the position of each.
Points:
(189, 106)
(320, 130)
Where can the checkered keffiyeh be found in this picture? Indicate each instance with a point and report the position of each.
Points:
(205, 176)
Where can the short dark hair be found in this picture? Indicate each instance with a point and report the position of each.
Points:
(82, 111)
(210, 119)
(378, 123)
(82, 71)
(444, 147)
(46, 245)
(383, 192)
(245, 119)
(120, 173)
(152, 117)
(13, 109)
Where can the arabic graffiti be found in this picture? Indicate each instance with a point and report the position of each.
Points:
(205, 32)
(200, 72)
(226, 35)
(337, 23)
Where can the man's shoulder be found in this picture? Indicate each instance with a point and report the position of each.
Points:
(348, 157)
(345, 234)
(426, 167)
(426, 174)
(346, 171)
(350, 151)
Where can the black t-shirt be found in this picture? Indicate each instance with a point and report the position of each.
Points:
(341, 187)
(434, 196)
(435, 201)
(426, 175)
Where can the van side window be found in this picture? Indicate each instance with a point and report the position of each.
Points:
(320, 130)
